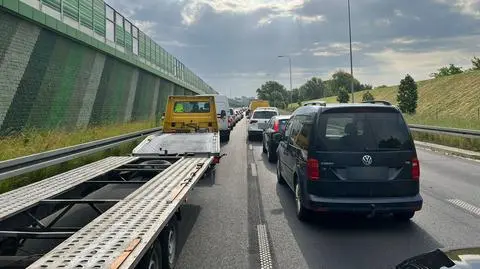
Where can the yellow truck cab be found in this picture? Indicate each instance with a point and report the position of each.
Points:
(190, 114)
(254, 104)
(189, 128)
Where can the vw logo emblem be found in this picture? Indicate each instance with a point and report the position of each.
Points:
(367, 160)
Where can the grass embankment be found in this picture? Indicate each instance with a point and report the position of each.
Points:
(452, 101)
(35, 141)
(31, 142)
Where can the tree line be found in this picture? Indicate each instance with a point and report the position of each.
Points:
(314, 88)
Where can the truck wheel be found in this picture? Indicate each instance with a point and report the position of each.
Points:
(153, 258)
(169, 239)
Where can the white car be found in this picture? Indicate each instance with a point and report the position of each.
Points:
(259, 119)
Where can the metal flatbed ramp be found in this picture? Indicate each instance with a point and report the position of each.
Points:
(25, 197)
(119, 237)
(176, 143)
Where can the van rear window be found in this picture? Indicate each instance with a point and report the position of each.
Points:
(265, 114)
(363, 131)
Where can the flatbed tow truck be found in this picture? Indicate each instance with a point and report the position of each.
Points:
(138, 231)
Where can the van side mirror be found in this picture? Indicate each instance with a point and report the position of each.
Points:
(223, 114)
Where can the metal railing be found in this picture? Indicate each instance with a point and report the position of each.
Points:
(445, 130)
(21, 165)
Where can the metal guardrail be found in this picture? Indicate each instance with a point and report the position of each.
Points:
(445, 130)
(21, 165)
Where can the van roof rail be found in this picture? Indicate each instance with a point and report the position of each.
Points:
(377, 102)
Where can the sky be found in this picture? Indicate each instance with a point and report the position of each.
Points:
(234, 45)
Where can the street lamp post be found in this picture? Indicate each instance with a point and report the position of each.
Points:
(290, 65)
(351, 61)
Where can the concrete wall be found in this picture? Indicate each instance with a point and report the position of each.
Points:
(51, 81)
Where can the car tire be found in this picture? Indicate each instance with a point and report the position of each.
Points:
(227, 137)
(169, 243)
(264, 149)
(303, 214)
(249, 137)
(271, 154)
(280, 179)
(153, 258)
(404, 216)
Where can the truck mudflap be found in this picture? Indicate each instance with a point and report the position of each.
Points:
(176, 144)
(123, 234)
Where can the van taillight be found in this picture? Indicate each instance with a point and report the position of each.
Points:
(275, 126)
(415, 168)
(313, 169)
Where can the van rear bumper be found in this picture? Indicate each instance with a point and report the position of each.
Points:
(364, 205)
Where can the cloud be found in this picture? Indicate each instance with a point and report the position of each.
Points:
(420, 64)
(310, 19)
(383, 22)
(336, 49)
(398, 13)
(467, 7)
(193, 8)
(148, 27)
(404, 40)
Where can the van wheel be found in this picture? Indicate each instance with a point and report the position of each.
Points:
(153, 258)
(303, 214)
(227, 137)
(280, 179)
(169, 240)
(264, 149)
(404, 216)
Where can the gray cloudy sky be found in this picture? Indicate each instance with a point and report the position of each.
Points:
(233, 44)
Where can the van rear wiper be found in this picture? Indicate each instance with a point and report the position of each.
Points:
(381, 149)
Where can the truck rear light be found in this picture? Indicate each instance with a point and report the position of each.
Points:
(253, 121)
(216, 160)
(276, 126)
(313, 169)
(415, 168)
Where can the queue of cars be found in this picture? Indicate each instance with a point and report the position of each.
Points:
(356, 158)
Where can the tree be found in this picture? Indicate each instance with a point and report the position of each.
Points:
(447, 71)
(476, 63)
(342, 79)
(407, 95)
(274, 92)
(343, 96)
(295, 95)
(312, 89)
(367, 96)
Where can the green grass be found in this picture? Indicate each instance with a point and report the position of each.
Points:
(35, 141)
(28, 178)
(448, 140)
(452, 101)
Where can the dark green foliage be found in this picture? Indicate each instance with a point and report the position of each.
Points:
(476, 63)
(343, 96)
(274, 92)
(367, 96)
(448, 71)
(407, 95)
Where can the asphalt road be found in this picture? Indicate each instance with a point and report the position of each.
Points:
(241, 218)
(227, 213)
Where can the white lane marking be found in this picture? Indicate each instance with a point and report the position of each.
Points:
(254, 169)
(264, 248)
(471, 208)
(250, 147)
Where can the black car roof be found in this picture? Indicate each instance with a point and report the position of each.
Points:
(314, 109)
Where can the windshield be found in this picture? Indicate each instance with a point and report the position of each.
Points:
(366, 131)
(264, 114)
(191, 107)
(282, 123)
